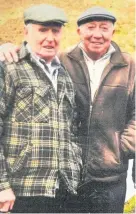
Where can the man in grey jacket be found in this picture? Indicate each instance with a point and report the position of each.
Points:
(104, 81)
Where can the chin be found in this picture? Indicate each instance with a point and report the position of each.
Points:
(94, 51)
(47, 59)
(47, 56)
(97, 50)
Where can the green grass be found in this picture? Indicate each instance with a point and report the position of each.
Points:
(130, 205)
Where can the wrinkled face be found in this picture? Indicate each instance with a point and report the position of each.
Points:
(44, 40)
(96, 37)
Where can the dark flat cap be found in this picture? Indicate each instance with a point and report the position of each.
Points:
(95, 13)
(44, 13)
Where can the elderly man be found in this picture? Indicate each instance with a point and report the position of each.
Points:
(104, 81)
(40, 159)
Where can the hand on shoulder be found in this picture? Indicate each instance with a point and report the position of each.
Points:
(8, 51)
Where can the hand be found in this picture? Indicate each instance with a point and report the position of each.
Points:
(7, 199)
(8, 51)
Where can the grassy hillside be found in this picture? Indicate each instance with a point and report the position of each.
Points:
(11, 23)
(130, 206)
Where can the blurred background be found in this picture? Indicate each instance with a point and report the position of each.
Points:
(11, 19)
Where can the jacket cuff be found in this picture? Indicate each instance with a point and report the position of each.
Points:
(4, 185)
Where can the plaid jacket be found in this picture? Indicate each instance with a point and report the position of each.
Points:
(36, 143)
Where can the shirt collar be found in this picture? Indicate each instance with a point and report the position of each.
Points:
(105, 56)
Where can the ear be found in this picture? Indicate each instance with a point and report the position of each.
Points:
(113, 32)
(78, 31)
(25, 30)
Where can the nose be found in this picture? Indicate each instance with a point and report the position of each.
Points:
(49, 35)
(97, 33)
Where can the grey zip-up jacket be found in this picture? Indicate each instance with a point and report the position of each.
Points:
(106, 126)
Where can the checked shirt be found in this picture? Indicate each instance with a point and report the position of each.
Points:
(37, 145)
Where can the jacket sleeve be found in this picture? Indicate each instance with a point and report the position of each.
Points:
(128, 139)
(4, 181)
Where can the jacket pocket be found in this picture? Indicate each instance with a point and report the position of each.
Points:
(17, 162)
(41, 102)
(111, 149)
(22, 111)
(117, 145)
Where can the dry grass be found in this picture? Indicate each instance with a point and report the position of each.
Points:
(11, 22)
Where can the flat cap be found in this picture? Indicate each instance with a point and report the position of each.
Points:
(44, 13)
(95, 13)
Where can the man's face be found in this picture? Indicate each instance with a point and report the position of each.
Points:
(96, 37)
(44, 40)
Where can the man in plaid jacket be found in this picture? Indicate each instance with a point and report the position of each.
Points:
(40, 160)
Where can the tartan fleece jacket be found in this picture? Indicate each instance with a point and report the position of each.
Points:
(37, 144)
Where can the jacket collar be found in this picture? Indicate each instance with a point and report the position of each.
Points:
(116, 59)
(23, 52)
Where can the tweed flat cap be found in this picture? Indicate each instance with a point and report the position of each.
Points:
(44, 13)
(95, 13)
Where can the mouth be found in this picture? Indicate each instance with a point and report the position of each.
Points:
(48, 47)
(97, 43)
